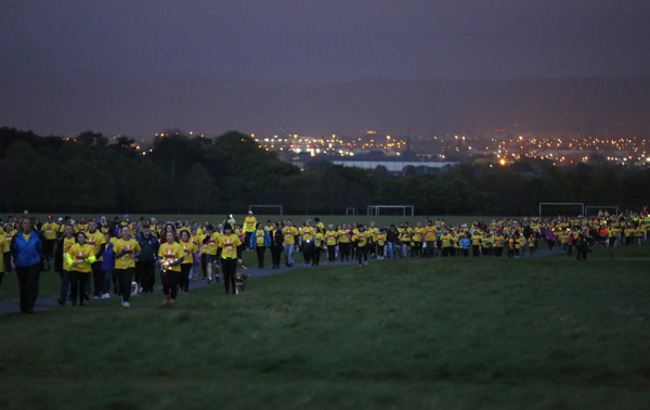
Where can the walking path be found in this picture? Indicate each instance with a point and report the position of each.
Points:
(44, 303)
(12, 306)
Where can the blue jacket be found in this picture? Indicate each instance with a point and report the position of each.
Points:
(267, 239)
(108, 258)
(27, 253)
(148, 249)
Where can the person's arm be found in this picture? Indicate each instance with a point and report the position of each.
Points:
(252, 242)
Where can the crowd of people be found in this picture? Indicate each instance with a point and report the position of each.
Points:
(90, 255)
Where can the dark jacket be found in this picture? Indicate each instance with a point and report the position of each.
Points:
(27, 253)
(148, 249)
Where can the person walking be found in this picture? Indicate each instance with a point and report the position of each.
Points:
(231, 250)
(145, 265)
(171, 256)
(61, 264)
(28, 258)
(276, 245)
(188, 259)
(260, 240)
(126, 250)
(80, 258)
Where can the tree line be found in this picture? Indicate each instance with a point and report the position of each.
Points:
(183, 174)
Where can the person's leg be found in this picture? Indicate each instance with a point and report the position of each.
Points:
(174, 278)
(126, 279)
(75, 292)
(260, 256)
(65, 287)
(32, 285)
(184, 278)
(165, 279)
(98, 279)
(107, 282)
(229, 267)
(84, 278)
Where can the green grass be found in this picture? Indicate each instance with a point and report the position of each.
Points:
(548, 332)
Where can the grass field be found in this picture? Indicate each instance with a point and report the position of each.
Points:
(547, 332)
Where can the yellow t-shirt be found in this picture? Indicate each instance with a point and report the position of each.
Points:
(330, 238)
(49, 230)
(96, 240)
(211, 246)
(418, 234)
(169, 253)
(307, 233)
(4, 247)
(9, 235)
(260, 238)
(67, 244)
(249, 223)
(289, 233)
(343, 236)
(361, 238)
(80, 254)
(430, 233)
(127, 260)
(228, 245)
(188, 251)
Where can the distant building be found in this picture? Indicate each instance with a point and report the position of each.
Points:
(391, 165)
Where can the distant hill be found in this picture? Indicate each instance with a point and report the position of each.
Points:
(139, 104)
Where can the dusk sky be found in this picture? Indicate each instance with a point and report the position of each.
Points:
(296, 42)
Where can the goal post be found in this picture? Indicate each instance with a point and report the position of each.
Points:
(277, 208)
(376, 209)
(562, 204)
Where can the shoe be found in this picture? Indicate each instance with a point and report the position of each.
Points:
(126, 304)
(95, 297)
(165, 301)
(86, 296)
(209, 281)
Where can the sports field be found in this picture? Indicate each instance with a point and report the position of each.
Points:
(546, 332)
